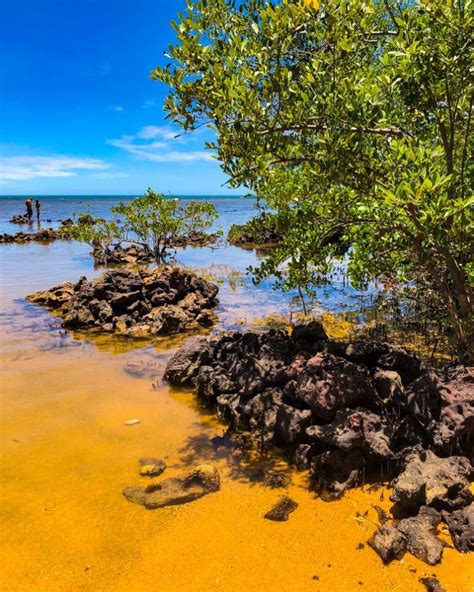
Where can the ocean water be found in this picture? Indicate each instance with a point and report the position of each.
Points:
(26, 268)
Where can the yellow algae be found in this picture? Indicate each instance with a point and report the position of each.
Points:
(65, 526)
(338, 327)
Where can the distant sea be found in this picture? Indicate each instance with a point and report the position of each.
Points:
(232, 209)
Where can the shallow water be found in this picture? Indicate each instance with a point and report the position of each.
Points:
(66, 456)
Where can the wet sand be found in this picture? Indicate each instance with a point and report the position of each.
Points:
(67, 455)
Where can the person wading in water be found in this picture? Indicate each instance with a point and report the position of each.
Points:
(38, 209)
(29, 209)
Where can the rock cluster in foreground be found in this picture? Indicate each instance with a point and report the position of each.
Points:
(349, 413)
(139, 304)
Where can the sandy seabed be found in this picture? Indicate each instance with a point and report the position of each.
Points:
(67, 455)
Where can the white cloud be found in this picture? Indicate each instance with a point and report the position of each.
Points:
(118, 108)
(17, 168)
(148, 104)
(158, 143)
(155, 131)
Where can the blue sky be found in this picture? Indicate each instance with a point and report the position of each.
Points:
(78, 111)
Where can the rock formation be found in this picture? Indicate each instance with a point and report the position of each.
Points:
(349, 412)
(139, 304)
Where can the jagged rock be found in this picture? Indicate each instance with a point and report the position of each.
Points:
(335, 471)
(282, 509)
(388, 542)
(355, 428)
(407, 364)
(340, 409)
(367, 353)
(199, 482)
(432, 584)
(44, 235)
(55, 297)
(442, 483)
(456, 423)
(461, 527)
(125, 301)
(151, 466)
(328, 383)
(293, 423)
(389, 387)
(135, 254)
(420, 534)
(424, 399)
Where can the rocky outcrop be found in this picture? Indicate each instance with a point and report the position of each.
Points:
(139, 304)
(348, 413)
(461, 527)
(136, 254)
(200, 481)
(442, 483)
(44, 235)
(258, 232)
(341, 410)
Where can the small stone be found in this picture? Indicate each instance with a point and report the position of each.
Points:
(151, 466)
(282, 509)
(132, 422)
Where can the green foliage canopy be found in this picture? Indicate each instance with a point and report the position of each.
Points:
(155, 222)
(350, 117)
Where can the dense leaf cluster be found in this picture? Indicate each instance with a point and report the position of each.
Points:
(347, 117)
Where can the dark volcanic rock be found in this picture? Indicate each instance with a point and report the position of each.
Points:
(328, 383)
(420, 534)
(389, 543)
(135, 304)
(341, 410)
(407, 364)
(183, 367)
(199, 482)
(355, 428)
(461, 527)
(442, 483)
(44, 235)
(335, 471)
(134, 254)
(282, 509)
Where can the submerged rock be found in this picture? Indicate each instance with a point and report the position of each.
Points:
(139, 304)
(151, 466)
(202, 480)
(282, 509)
